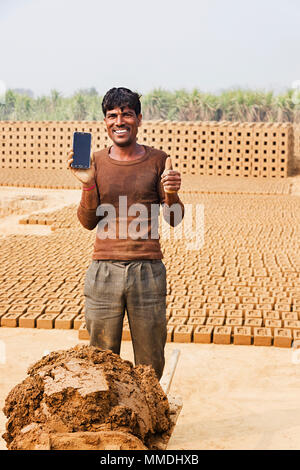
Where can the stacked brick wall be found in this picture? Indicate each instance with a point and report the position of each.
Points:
(297, 146)
(199, 148)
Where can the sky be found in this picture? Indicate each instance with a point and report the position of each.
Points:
(211, 45)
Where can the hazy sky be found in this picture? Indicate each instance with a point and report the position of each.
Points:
(205, 44)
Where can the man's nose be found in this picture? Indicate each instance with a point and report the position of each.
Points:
(119, 120)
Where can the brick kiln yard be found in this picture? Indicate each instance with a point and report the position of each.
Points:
(243, 286)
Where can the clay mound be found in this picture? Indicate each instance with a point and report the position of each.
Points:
(85, 389)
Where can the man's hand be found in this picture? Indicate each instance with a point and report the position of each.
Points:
(171, 179)
(85, 176)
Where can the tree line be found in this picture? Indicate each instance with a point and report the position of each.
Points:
(181, 105)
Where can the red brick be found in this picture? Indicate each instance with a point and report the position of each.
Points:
(253, 314)
(216, 314)
(176, 305)
(177, 321)
(197, 313)
(253, 323)
(211, 306)
(264, 306)
(222, 335)
(46, 320)
(247, 307)
(282, 307)
(214, 299)
(179, 312)
(65, 321)
(10, 319)
(193, 305)
(271, 315)
(262, 337)
(78, 321)
(196, 321)
(19, 309)
(291, 324)
(282, 338)
(249, 300)
(242, 335)
(36, 308)
(231, 299)
(234, 314)
(234, 321)
(218, 321)
(203, 334)
(28, 319)
(273, 324)
(54, 309)
(289, 316)
(228, 306)
(83, 332)
(183, 334)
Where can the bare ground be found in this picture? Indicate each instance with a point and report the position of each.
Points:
(234, 397)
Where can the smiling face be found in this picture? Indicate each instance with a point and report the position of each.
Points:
(122, 125)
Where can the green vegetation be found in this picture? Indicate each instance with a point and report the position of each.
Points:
(181, 105)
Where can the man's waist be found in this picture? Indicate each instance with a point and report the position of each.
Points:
(130, 261)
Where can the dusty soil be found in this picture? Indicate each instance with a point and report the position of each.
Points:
(234, 397)
(84, 389)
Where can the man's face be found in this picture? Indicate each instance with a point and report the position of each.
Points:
(122, 125)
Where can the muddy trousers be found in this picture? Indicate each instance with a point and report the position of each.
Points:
(139, 287)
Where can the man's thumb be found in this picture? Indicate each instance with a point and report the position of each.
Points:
(168, 165)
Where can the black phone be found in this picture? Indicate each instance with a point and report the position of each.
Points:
(81, 149)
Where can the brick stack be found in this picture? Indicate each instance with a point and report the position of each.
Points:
(197, 148)
(297, 147)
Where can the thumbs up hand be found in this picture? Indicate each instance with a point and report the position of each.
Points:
(171, 179)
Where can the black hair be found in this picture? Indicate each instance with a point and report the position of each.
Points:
(119, 98)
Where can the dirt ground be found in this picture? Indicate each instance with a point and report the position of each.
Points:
(234, 397)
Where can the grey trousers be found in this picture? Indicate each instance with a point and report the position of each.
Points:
(139, 287)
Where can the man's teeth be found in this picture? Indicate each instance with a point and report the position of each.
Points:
(121, 132)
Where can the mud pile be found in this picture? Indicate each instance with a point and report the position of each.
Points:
(85, 390)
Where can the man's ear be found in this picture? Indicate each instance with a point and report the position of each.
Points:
(140, 117)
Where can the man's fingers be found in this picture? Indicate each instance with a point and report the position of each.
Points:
(168, 173)
(70, 158)
(171, 177)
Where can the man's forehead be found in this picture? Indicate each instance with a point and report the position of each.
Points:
(120, 110)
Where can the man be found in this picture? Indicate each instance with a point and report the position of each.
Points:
(127, 271)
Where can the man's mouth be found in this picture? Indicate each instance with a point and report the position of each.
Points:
(120, 131)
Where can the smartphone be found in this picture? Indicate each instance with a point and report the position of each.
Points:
(81, 149)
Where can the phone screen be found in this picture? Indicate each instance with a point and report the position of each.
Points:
(81, 149)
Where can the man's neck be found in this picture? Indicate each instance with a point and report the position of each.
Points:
(125, 154)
